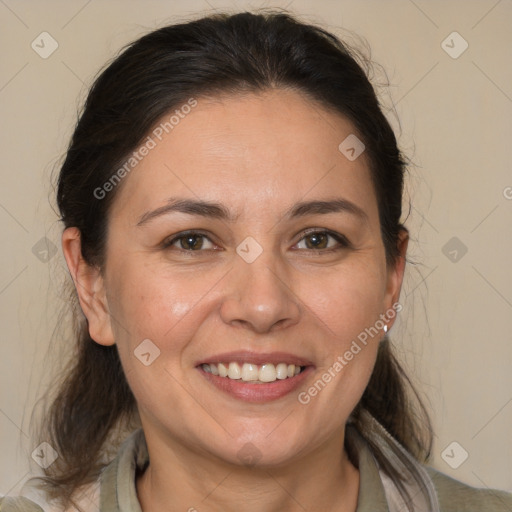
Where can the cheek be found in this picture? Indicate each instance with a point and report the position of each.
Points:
(345, 306)
(150, 301)
(155, 303)
(346, 301)
(164, 309)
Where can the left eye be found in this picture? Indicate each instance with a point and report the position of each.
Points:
(321, 240)
(191, 242)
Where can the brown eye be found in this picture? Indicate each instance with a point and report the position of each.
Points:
(191, 242)
(317, 241)
(323, 240)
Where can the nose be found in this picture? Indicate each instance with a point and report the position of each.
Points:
(260, 297)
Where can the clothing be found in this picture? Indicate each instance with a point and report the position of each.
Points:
(376, 493)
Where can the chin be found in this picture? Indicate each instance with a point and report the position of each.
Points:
(263, 451)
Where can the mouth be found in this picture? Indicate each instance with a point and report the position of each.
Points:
(253, 373)
(256, 377)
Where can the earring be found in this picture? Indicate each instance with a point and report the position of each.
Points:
(385, 328)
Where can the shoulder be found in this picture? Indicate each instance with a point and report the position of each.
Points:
(455, 496)
(18, 504)
(33, 498)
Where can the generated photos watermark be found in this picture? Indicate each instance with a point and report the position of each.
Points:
(143, 150)
(304, 397)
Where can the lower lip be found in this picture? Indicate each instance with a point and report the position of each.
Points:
(251, 392)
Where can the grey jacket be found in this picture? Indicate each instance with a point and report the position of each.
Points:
(118, 491)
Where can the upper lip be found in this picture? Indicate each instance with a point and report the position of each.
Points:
(259, 358)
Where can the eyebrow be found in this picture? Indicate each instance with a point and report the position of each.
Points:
(219, 211)
(190, 207)
(338, 205)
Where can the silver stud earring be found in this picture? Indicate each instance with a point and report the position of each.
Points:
(385, 328)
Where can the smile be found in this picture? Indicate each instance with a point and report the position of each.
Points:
(253, 373)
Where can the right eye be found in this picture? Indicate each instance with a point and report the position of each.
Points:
(191, 241)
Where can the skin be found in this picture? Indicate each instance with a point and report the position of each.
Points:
(258, 155)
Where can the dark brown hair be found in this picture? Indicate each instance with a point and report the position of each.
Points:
(218, 54)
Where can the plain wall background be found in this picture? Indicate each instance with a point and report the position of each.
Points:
(455, 332)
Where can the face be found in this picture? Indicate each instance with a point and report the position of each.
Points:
(246, 237)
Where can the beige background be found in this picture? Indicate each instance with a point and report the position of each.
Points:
(456, 329)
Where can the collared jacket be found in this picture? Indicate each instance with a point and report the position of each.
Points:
(116, 490)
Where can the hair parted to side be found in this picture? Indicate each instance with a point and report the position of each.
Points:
(217, 54)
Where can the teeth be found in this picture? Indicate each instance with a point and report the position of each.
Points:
(249, 372)
(234, 371)
(252, 372)
(282, 370)
(268, 373)
(223, 371)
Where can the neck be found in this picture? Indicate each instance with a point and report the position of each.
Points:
(325, 480)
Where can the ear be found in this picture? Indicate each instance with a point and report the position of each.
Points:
(90, 287)
(396, 275)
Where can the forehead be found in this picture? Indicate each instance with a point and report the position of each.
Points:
(249, 151)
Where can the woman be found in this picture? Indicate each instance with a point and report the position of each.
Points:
(231, 199)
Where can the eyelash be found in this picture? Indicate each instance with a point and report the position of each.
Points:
(342, 240)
